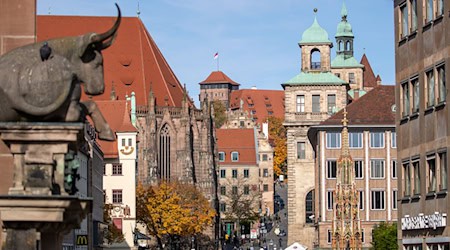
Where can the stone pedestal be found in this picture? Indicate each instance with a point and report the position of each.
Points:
(38, 200)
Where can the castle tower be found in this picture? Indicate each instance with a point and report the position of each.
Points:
(346, 227)
(217, 86)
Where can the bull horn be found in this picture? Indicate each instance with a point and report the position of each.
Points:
(101, 37)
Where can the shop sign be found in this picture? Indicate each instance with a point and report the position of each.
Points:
(424, 221)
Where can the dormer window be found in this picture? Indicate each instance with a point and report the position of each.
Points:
(315, 59)
(234, 156)
(221, 156)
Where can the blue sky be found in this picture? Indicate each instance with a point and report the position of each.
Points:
(256, 39)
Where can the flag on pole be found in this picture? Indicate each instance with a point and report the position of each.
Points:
(216, 55)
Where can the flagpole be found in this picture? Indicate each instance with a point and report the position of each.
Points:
(218, 63)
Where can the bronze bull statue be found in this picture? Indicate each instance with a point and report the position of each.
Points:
(38, 90)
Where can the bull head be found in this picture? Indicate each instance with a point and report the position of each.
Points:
(91, 66)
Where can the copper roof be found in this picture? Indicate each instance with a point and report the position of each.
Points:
(132, 63)
(117, 115)
(373, 108)
(237, 140)
(261, 101)
(369, 79)
(218, 77)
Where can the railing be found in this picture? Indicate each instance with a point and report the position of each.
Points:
(301, 116)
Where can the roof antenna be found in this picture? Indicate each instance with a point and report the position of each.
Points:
(138, 12)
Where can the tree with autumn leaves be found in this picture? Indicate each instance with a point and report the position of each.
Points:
(277, 138)
(173, 211)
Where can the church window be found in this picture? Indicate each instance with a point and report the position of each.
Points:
(359, 169)
(300, 104)
(234, 173)
(404, 20)
(223, 173)
(413, 5)
(331, 102)
(246, 173)
(394, 199)
(355, 139)
(333, 140)
(117, 196)
(301, 154)
(441, 83)
(315, 59)
(330, 199)
(117, 169)
(331, 169)
(376, 169)
(430, 87)
(309, 207)
(351, 78)
(221, 156)
(394, 169)
(377, 139)
(316, 103)
(164, 153)
(234, 156)
(378, 200)
(416, 96)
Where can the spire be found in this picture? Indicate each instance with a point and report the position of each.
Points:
(345, 150)
(344, 12)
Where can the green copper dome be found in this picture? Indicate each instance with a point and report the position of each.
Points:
(344, 28)
(315, 34)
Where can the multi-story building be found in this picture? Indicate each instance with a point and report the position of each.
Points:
(423, 127)
(217, 86)
(373, 149)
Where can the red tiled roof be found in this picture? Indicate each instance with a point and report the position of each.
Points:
(373, 108)
(218, 77)
(133, 62)
(240, 140)
(369, 79)
(117, 115)
(263, 101)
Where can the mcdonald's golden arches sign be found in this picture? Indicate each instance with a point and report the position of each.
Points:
(82, 240)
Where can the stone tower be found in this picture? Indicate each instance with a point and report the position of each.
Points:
(346, 228)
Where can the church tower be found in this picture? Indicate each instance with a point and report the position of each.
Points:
(346, 228)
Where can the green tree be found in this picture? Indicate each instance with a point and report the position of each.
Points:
(220, 113)
(113, 234)
(385, 236)
(277, 138)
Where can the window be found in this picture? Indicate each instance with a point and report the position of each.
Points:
(329, 237)
(130, 142)
(123, 142)
(377, 139)
(413, 15)
(440, 8)
(246, 190)
(246, 173)
(355, 139)
(266, 188)
(333, 140)
(331, 169)
(301, 150)
(265, 172)
(430, 88)
(234, 156)
(394, 169)
(429, 11)
(116, 169)
(223, 173)
(393, 139)
(436, 246)
(117, 195)
(416, 177)
(316, 103)
(413, 247)
(331, 101)
(223, 190)
(104, 169)
(394, 199)
(338, 74)
(416, 96)
(309, 207)
(264, 157)
(223, 207)
(362, 236)
(431, 167)
(234, 173)
(361, 200)
(377, 200)
(351, 78)
(407, 179)
(441, 83)
(234, 190)
(376, 169)
(300, 104)
(405, 96)
(330, 200)
(404, 20)
(221, 156)
(241, 124)
(359, 169)
(443, 168)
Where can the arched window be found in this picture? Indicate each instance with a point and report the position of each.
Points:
(315, 59)
(347, 46)
(164, 153)
(309, 207)
(340, 46)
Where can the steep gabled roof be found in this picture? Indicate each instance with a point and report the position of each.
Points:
(242, 141)
(117, 115)
(373, 108)
(260, 101)
(218, 77)
(132, 63)
(369, 79)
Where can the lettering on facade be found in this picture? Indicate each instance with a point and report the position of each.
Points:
(424, 221)
(82, 240)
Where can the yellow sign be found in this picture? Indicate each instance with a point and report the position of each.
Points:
(82, 240)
